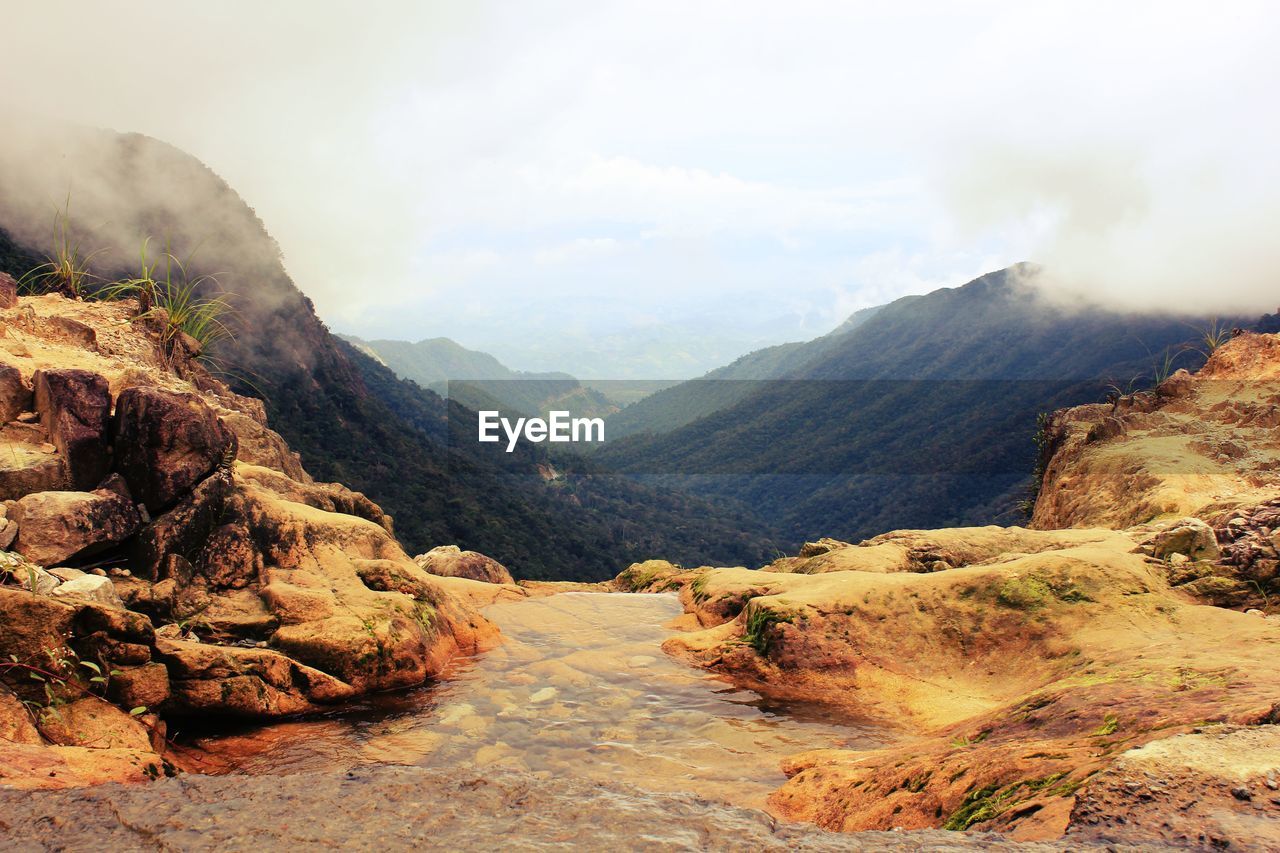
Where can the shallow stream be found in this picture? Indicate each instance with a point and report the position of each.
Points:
(580, 689)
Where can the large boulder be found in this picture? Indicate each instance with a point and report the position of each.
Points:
(185, 529)
(15, 396)
(75, 410)
(452, 562)
(165, 443)
(54, 527)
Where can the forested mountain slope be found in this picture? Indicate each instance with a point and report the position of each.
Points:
(923, 415)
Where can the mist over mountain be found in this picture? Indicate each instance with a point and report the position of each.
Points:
(922, 414)
(350, 417)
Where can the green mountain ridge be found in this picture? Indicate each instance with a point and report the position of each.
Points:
(922, 415)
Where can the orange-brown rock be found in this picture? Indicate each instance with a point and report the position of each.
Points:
(16, 725)
(1048, 680)
(240, 682)
(54, 527)
(1019, 676)
(93, 723)
(8, 291)
(292, 595)
(452, 562)
(1204, 445)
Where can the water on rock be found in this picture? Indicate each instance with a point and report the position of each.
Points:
(580, 689)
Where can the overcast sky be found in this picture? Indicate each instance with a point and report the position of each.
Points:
(515, 173)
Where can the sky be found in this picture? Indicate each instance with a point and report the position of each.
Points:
(651, 189)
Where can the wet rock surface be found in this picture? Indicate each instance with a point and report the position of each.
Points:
(402, 808)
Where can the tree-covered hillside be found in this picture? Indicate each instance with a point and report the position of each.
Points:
(922, 415)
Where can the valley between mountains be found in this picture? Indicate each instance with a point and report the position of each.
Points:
(1106, 674)
(970, 572)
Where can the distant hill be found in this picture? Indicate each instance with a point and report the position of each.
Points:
(922, 414)
(479, 381)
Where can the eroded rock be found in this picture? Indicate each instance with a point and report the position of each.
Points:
(90, 588)
(8, 291)
(15, 396)
(249, 683)
(94, 723)
(54, 527)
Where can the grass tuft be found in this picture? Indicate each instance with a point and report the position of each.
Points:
(165, 285)
(66, 269)
(760, 622)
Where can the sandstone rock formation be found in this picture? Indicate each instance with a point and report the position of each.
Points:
(8, 291)
(275, 595)
(1050, 680)
(75, 408)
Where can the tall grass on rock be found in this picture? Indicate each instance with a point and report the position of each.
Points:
(164, 288)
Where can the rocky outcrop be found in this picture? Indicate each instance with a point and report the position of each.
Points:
(451, 562)
(275, 595)
(15, 396)
(1200, 445)
(8, 291)
(1214, 789)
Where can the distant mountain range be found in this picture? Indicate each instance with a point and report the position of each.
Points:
(920, 413)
